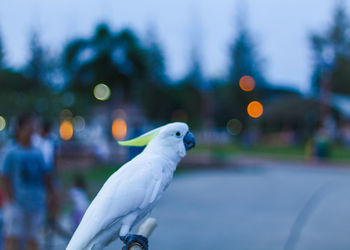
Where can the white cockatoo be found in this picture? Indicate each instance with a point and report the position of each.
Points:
(133, 191)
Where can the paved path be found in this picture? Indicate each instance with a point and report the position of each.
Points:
(253, 208)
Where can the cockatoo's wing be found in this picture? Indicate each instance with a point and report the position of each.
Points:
(135, 186)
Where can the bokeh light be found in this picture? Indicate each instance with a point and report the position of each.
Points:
(79, 123)
(119, 129)
(66, 114)
(247, 83)
(102, 92)
(2, 123)
(234, 126)
(66, 130)
(255, 109)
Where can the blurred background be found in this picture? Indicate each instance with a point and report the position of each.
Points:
(265, 86)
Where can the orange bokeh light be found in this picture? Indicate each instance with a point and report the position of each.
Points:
(119, 129)
(255, 109)
(247, 83)
(66, 130)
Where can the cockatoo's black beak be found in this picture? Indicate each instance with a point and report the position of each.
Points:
(189, 141)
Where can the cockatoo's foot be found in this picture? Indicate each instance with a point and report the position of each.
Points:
(131, 239)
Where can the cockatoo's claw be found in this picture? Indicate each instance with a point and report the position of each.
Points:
(131, 239)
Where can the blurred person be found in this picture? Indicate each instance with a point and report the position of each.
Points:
(322, 144)
(79, 199)
(46, 143)
(28, 188)
(1, 217)
(310, 148)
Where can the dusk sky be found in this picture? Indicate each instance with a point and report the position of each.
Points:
(280, 29)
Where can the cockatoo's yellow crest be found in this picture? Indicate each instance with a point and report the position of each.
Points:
(142, 140)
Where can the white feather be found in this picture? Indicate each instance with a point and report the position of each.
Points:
(131, 192)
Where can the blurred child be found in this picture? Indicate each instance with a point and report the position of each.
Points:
(79, 199)
(27, 188)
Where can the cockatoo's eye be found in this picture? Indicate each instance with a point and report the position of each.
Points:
(178, 134)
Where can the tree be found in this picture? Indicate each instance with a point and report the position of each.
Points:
(188, 101)
(195, 74)
(156, 69)
(244, 56)
(2, 53)
(197, 96)
(155, 86)
(36, 68)
(116, 59)
(331, 54)
(231, 101)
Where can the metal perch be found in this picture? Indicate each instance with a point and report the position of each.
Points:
(145, 230)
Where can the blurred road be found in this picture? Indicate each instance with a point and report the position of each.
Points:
(253, 208)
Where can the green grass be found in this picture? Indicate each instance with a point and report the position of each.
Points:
(267, 150)
(339, 153)
(94, 177)
(98, 173)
